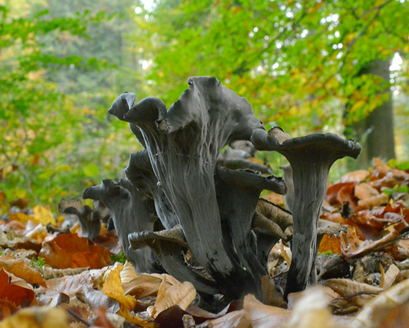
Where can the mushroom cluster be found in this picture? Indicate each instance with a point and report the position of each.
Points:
(213, 229)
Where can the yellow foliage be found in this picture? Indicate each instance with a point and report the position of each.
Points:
(113, 288)
(37, 317)
(42, 214)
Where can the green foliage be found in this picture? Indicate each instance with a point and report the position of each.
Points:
(56, 139)
(39, 262)
(297, 62)
(119, 258)
(326, 253)
(396, 188)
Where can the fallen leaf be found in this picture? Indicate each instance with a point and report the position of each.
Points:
(389, 277)
(112, 288)
(330, 243)
(235, 319)
(355, 176)
(389, 309)
(355, 292)
(22, 269)
(15, 290)
(378, 200)
(144, 285)
(7, 308)
(364, 191)
(20, 217)
(42, 214)
(181, 294)
(311, 310)
(70, 251)
(69, 285)
(263, 316)
(96, 299)
(37, 317)
(332, 192)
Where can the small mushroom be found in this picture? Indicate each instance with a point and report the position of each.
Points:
(90, 220)
(129, 213)
(310, 158)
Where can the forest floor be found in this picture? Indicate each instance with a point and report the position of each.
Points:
(54, 279)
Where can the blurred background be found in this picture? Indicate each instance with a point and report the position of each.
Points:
(337, 66)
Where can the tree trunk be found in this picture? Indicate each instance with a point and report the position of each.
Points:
(376, 132)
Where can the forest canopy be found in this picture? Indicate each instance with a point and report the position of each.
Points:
(308, 66)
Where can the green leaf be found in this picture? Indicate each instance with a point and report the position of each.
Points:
(91, 170)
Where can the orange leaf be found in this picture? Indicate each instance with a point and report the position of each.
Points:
(355, 176)
(20, 268)
(15, 289)
(7, 308)
(330, 243)
(70, 251)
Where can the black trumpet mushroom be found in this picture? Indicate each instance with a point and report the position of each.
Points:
(183, 145)
(311, 158)
(89, 219)
(129, 213)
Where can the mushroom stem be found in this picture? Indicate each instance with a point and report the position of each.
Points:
(311, 158)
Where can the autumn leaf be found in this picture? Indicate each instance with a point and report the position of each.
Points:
(70, 251)
(37, 317)
(15, 290)
(42, 214)
(181, 294)
(22, 269)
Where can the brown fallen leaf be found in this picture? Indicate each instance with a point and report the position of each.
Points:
(145, 285)
(235, 319)
(332, 193)
(365, 190)
(16, 290)
(379, 168)
(22, 269)
(389, 277)
(181, 294)
(368, 203)
(263, 316)
(7, 308)
(69, 285)
(37, 317)
(389, 309)
(70, 251)
(311, 310)
(355, 176)
(355, 292)
(351, 247)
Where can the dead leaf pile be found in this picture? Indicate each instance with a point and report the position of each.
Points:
(51, 277)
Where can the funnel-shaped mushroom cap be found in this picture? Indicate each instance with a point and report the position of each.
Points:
(311, 158)
(324, 148)
(288, 179)
(207, 99)
(90, 220)
(129, 213)
(122, 104)
(250, 179)
(148, 110)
